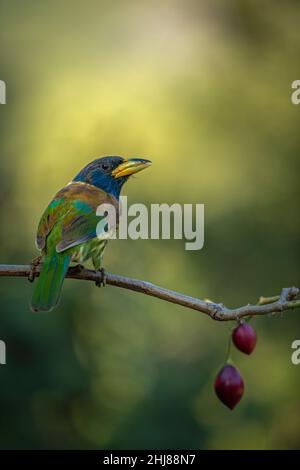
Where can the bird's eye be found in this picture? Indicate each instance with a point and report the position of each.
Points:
(105, 166)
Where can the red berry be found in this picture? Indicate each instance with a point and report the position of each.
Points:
(244, 337)
(229, 386)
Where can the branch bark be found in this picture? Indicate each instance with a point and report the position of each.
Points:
(287, 300)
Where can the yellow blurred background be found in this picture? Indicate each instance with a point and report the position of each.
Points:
(203, 90)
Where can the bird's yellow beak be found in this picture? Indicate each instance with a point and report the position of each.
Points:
(130, 166)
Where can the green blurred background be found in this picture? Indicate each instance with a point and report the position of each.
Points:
(203, 90)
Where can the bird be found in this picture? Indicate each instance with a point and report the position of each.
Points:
(68, 230)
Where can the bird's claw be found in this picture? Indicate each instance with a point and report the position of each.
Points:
(33, 265)
(101, 280)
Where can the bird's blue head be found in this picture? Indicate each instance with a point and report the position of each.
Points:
(110, 173)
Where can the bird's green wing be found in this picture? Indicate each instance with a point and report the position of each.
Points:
(53, 213)
(71, 219)
(79, 225)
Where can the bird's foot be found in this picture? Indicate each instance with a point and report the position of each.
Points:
(101, 280)
(33, 265)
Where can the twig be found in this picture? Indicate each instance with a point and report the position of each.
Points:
(217, 311)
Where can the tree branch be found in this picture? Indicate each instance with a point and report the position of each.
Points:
(217, 311)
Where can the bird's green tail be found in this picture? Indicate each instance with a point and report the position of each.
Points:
(48, 286)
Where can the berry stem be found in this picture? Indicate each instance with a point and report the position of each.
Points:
(228, 354)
